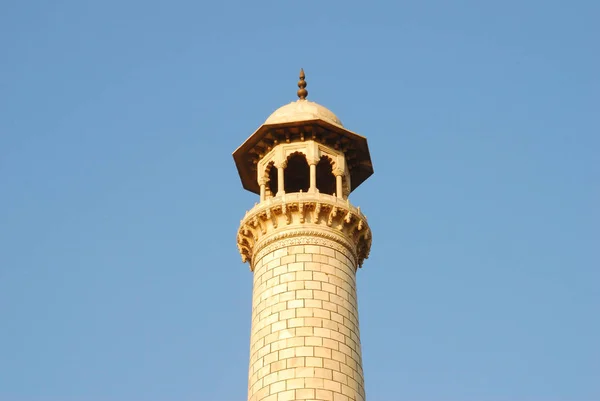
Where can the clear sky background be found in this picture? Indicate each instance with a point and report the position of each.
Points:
(119, 199)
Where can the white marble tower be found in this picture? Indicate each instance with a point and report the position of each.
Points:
(304, 242)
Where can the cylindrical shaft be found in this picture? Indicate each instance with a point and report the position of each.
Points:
(305, 341)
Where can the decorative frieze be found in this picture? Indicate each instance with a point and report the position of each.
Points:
(315, 217)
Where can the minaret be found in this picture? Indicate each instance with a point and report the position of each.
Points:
(304, 242)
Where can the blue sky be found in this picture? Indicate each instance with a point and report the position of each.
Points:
(119, 203)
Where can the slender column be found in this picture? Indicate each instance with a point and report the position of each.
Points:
(262, 191)
(313, 178)
(280, 183)
(262, 182)
(338, 186)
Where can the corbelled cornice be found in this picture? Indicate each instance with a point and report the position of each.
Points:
(307, 215)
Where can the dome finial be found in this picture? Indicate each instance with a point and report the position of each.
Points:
(302, 92)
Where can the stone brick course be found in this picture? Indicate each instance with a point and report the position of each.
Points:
(305, 335)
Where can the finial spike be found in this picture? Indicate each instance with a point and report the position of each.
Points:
(302, 92)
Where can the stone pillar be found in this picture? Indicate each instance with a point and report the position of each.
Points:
(262, 192)
(313, 177)
(263, 188)
(338, 186)
(281, 165)
(305, 339)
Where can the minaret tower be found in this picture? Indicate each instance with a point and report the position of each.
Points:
(304, 242)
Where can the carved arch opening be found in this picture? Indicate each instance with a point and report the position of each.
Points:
(271, 175)
(297, 173)
(325, 177)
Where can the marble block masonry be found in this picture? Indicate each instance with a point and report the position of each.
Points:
(304, 243)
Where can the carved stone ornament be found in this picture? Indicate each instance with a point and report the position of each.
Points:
(304, 219)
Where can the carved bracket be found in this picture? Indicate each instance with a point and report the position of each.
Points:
(320, 215)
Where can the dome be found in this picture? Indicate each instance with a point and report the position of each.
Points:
(303, 110)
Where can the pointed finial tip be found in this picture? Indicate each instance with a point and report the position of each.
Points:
(302, 92)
